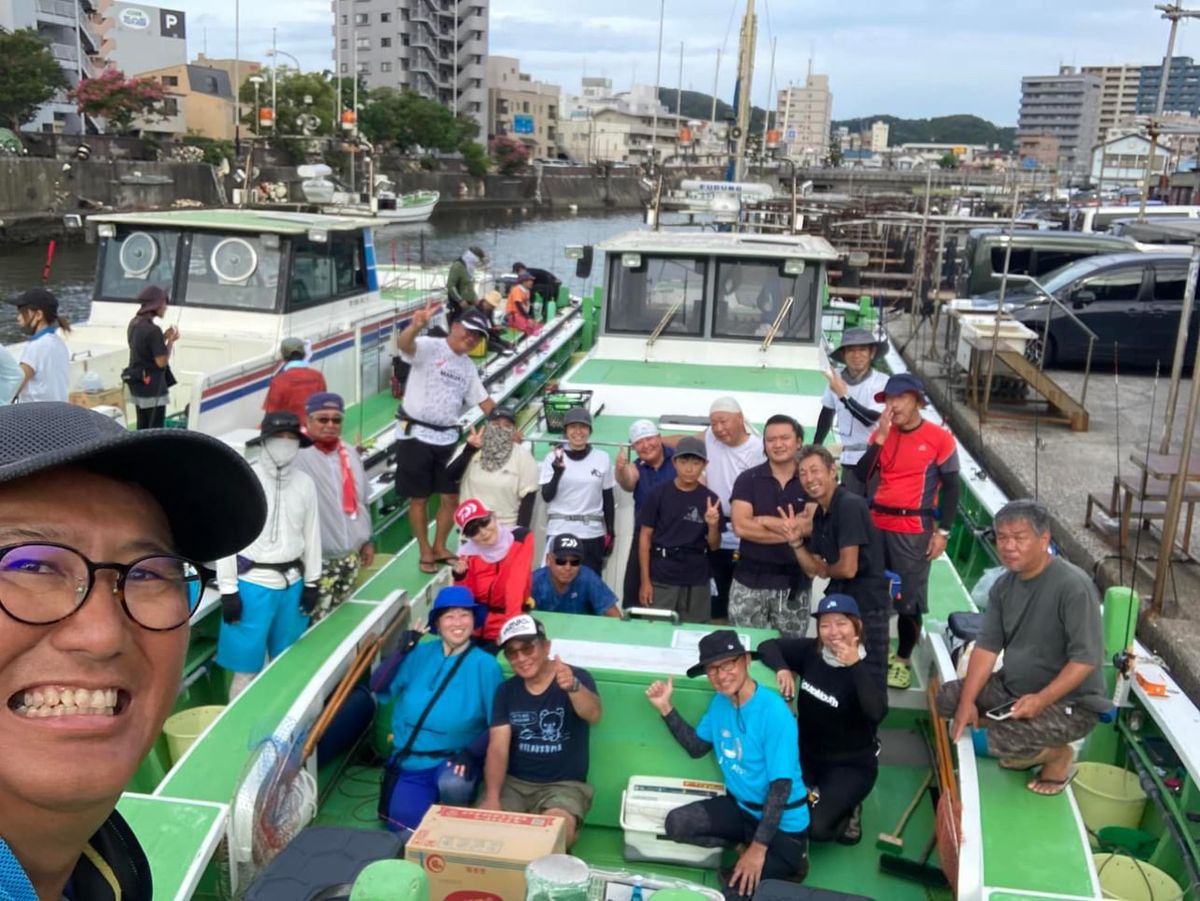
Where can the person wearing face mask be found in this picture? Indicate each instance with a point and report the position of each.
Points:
(337, 472)
(460, 280)
(839, 705)
(577, 485)
(497, 469)
(495, 563)
(269, 590)
(443, 692)
(45, 361)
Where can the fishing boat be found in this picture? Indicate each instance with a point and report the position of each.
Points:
(415, 206)
(329, 196)
(681, 319)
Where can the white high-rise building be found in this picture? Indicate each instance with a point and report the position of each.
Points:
(1118, 95)
(879, 136)
(804, 116)
(437, 48)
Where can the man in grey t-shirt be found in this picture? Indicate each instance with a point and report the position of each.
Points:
(1044, 614)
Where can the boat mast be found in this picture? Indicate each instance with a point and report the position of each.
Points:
(741, 98)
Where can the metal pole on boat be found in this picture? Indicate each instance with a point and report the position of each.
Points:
(767, 106)
(679, 99)
(1181, 339)
(662, 12)
(749, 35)
(237, 82)
(274, 82)
(712, 117)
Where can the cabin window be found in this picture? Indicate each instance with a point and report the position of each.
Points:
(1018, 261)
(325, 270)
(656, 289)
(751, 293)
(134, 258)
(236, 271)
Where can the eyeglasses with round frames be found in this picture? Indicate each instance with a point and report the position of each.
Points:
(42, 584)
(723, 668)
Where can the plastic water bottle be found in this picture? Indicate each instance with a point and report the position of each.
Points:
(91, 382)
(636, 894)
(551, 310)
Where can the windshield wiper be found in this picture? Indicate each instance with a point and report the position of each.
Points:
(662, 323)
(774, 329)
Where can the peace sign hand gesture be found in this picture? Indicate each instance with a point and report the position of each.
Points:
(474, 438)
(421, 317)
(712, 512)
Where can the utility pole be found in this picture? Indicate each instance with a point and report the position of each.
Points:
(749, 35)
(274, 83)
(712, 117)
(237, 81)
(662, 12)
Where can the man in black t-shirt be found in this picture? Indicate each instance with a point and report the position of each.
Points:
(842, 545)
(679, 523)
(537, 757)
(769, 590)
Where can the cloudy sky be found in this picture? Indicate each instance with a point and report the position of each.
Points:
(912, 58)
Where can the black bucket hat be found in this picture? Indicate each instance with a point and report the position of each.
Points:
(212, 499)
(282, 422)
(718, 646)
(858, 337)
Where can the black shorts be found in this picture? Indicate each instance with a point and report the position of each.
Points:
(421, 469)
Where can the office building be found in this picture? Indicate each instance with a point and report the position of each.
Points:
(521, 108)
(804, 115)
(1121, 161)
(437, 48)
(139, 38)
(196, 100)
(600, 125)
(1183, 87)
(1065, 106)
(1118, 95)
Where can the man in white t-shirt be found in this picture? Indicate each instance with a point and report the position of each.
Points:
(442, 383)
(45, 362)
(733, 447)
(850, 397)
(12, 376)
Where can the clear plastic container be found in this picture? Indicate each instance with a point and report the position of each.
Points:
(557, 877)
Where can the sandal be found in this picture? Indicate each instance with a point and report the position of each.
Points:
(448, 560)
(429, 567)
(1051, 786)
(899, 676)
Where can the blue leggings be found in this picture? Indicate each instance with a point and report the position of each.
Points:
(418, 790)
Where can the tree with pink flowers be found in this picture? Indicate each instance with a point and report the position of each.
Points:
(117, 99)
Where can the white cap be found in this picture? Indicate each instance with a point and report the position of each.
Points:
(642, 428)
(522, 626)
(725, 405)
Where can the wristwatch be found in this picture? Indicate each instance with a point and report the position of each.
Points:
(574, 686)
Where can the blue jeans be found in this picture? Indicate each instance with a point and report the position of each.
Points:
(418, 790)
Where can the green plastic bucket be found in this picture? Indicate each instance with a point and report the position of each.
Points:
(183, 727)
(1108, 796)
(1127, 879)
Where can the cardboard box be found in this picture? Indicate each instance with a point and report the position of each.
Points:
(481, 855)
(111, 397)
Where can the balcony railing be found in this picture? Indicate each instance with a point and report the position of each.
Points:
(65, 53)
(64, 9)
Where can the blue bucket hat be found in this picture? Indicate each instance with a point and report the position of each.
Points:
(456, 596)
(837, 603)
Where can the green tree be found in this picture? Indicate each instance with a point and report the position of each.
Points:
(29, 77)
(948, 161)
(475, 159)
(407, 120)
(117, 99)
(834, 157)
(307, 94)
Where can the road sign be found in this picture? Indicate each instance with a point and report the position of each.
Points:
(523, 125)
(790, 134)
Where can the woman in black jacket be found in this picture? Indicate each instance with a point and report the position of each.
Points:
(838, 706)
(149, 374)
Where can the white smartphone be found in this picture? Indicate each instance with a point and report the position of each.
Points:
(1003, 712)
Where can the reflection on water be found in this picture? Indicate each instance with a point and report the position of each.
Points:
(506, 235)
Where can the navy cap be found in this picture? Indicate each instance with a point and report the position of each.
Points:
(838, 603)
(566, 546)
(324, 400)
(901, 383)
(475, 321)
(690, 446)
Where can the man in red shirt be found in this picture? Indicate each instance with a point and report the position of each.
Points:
(295, 382)
(917, 461)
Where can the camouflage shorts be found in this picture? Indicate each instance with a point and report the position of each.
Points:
(769, 608)
(336, 583)
(1057, 725)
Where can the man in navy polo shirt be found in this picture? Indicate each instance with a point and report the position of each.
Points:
(770, 589)
(564, 585)
(653, 467)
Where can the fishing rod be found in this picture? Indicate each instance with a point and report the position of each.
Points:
(1117, 417)
(1137, 542)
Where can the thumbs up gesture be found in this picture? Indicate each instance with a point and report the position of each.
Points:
(659, 695)
(712, 512)
(563, 674)
(622, 456)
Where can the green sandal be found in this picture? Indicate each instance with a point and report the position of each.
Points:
(899, 676)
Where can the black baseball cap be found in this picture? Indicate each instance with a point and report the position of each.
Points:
(566, 546)
(503, 412)
(474, 320)
(717, 646)
(281, 422)
(212, 499)
(39, 299)
(691, 446)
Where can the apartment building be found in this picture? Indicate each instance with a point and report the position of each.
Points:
(521, 108)
(804, 114)
(1065, 106)
(1118, 95)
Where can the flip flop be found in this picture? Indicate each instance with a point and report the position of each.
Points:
(899, 676)
(429, 567)
(449, 560)
(1056, 786)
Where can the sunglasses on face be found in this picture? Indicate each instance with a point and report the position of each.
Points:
(567, 561)
(328, 420)
(475, 526)
(512, 652)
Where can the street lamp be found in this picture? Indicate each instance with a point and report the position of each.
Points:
(256, 80)
(275, 53)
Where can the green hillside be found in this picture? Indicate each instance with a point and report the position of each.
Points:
(959, 129)
(697, 105)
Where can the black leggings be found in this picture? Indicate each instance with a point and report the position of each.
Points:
(842, 785)
(908, 631)
(719, 822)
(721, 561)
(151, 417)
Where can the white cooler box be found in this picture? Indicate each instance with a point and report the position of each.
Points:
(645, 803)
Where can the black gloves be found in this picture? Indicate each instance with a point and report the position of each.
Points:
(308, 599)
(231, 608)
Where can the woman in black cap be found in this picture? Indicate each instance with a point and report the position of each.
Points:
(752, 734)
(577, 486)
(45, 361)
(149, 375)
(839, 704)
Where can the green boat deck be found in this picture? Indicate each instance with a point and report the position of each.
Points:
(732, 379)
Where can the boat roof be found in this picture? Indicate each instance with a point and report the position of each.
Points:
(721, 244)
(283, 222)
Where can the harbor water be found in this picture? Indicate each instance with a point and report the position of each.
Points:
(507, 236)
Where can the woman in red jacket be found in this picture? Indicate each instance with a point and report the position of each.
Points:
(495, 562)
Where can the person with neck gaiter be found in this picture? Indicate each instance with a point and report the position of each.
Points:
(497, 469)
(337, 473)
(850, 398)
(495, 563)
(577, 486)
(269, 590)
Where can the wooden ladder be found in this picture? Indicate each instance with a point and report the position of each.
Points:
(1075, 414)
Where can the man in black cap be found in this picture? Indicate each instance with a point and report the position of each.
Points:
(443, 381)
(100, 529)
(269, 590)
(753, 736)
(915, 504)
(45, 361)
(850, 397)
(460, 280)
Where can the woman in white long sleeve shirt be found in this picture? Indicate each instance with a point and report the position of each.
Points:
(269, 590)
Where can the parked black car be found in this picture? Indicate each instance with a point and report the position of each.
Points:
(1132, 301)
